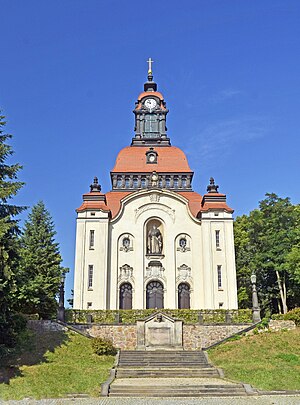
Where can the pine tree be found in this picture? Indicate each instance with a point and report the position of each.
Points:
(40, 269)
(9, 187)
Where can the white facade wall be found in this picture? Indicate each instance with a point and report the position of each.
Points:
(197, 265)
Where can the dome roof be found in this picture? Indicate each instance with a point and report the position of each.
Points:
(150, 93)
(170, 159)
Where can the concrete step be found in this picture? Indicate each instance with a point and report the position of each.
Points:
(166, 374)
(162, 364)
(177, 391)
(163, 359)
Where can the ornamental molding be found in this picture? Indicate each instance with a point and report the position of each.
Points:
(155, 270)
(126, 272)
(183, 273)
(154, 197)
(149, 207)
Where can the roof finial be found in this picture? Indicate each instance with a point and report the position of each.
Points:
(150, 75)
(95, 186)
(212, 188)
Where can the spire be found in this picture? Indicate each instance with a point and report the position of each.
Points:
(150, 85)
(95, 187)
(212, 187)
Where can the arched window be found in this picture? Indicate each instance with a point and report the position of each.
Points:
(155, 295)
(125, 296)
(151, 126)
(183, 296)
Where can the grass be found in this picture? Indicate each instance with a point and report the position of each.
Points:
(269, 361)
(52, 365)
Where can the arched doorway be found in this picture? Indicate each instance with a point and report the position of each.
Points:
(125, 301)
(184, 296)
(155, 295)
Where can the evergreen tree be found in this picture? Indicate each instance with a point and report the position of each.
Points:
(40, 269)
(9, 187)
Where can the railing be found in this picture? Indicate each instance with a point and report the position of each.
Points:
(141, 181)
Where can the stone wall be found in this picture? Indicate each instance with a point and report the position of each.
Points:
(123, 336)
(45, 326)
(195, 337)
(277, 325)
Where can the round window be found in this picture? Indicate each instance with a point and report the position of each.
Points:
(182, 242)
(126, 242)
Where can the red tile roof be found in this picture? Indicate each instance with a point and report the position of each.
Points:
(150, 93)
(113, 203)
(194, 201)
(132, 159)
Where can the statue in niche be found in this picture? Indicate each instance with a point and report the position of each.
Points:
(155, 240)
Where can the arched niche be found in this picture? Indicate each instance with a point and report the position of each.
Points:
(183, 242)
(154, 237)
(125, 242)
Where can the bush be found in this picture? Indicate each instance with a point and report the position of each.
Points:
(293, 315)
(103, 346)
(130, 316)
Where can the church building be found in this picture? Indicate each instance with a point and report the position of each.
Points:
(152, 241)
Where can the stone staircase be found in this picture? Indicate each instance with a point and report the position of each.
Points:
(169, 374)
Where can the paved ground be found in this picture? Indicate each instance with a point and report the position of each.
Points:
(172, 381)
(261, 400)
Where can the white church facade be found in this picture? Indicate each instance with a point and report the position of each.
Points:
(152, 241)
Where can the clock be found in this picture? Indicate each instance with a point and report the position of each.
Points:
(150, 103)
(152, 158)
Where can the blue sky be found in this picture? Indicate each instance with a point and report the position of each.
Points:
(71, 71)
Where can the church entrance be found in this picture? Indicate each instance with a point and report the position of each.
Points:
(125, 296)
(155, 295)
(183, 296)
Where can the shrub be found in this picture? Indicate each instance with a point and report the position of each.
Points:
(103, 346)
(293, 315)
(130, 316)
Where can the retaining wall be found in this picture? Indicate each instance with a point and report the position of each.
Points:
(195, 337)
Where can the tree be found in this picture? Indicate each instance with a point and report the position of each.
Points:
(40, 267)
(266, 242)
(9, 187)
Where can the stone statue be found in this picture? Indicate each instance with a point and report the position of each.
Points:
(155, 240)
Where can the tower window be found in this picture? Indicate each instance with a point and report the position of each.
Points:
(217, 239)
(92, 239)
(219, 270)
(90, 276)
(151, 125)
(119, 182)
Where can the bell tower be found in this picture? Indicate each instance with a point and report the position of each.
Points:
(150, 115)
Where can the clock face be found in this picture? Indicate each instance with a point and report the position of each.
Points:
(150, 103)
(151, 158)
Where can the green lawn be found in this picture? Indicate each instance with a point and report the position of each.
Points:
(269, 361)
(53, 364)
